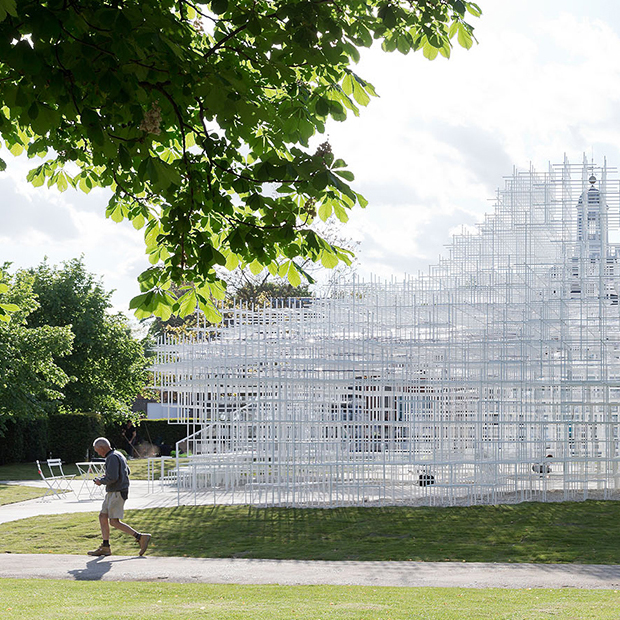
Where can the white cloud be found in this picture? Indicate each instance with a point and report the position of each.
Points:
(38, 223)
(542, 82)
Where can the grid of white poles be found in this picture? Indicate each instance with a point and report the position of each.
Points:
(494, 377)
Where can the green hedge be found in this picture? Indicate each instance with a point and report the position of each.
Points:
(156, 432)
(24, 440)
(70, 436)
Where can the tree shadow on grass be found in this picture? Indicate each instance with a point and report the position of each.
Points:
(582, 532)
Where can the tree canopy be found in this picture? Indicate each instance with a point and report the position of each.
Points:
(106, 365)
(31, 381)
(199, 118)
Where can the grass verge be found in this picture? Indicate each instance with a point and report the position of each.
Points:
(65, 600)
(572, 532)
(13, 493)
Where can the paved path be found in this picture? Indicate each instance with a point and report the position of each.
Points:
(79, 500)
(288, 572)
(285, 572)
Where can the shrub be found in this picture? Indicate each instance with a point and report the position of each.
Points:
(24, 439)
(71, 435)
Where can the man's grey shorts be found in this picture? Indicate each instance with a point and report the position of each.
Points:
(113, 505)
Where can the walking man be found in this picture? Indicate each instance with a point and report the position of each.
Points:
(116, 480)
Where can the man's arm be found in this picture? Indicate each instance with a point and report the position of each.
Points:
(112, 471)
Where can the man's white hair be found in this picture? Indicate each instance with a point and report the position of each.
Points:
(101, 442)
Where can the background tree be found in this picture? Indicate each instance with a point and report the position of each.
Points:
(244, 285)
(199, 117)
(247, 288)
(249, 284)
(31, 381)
(107, 365)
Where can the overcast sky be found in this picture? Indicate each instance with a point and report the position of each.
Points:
(429, 154)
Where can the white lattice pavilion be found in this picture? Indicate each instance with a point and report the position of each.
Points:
(494, 377)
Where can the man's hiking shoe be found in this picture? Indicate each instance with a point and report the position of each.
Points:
(103, 550)
(144, 541)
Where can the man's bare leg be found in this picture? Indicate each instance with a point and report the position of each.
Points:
(123, 527)
(104, 548)
(143, 539)
(104, 523)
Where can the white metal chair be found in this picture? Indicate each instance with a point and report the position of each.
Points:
(56, 483)
(56, 464)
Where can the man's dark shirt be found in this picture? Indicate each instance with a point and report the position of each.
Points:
(116, 476)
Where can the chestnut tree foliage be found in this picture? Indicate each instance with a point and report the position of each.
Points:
(198, 119)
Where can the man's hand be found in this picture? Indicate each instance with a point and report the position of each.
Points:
(97, 482)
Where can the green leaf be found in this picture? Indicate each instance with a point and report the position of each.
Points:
(218, 291)
(364, 35)
(117, 214)
(403, 43)
(150, 279)
(429, 51)
(360, 94)
(232, 261)
(138, 221)
(341, 213)
(163, 307)
(293, 275)
(320, 180)
(464, 37)
(347, 84)
(84, 184)
(36, 176)
(7, 7)
(152, 231)
(473, 8)
(124, 158)
(210, 312)
(2, 165)
(325, 211)
(446, 50)
(361, 200)
(61, 182)
(187, 303)
(283, 270)
(140, 300)
(33, 111)
(322, 107)
(328, 260)
(219, 6)
(256, 267)
(388, 15)
(345, 174)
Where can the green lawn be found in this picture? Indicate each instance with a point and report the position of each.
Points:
(21, 471)
(10, 494)
(580, 532)
(75, 600)
(28, 471)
